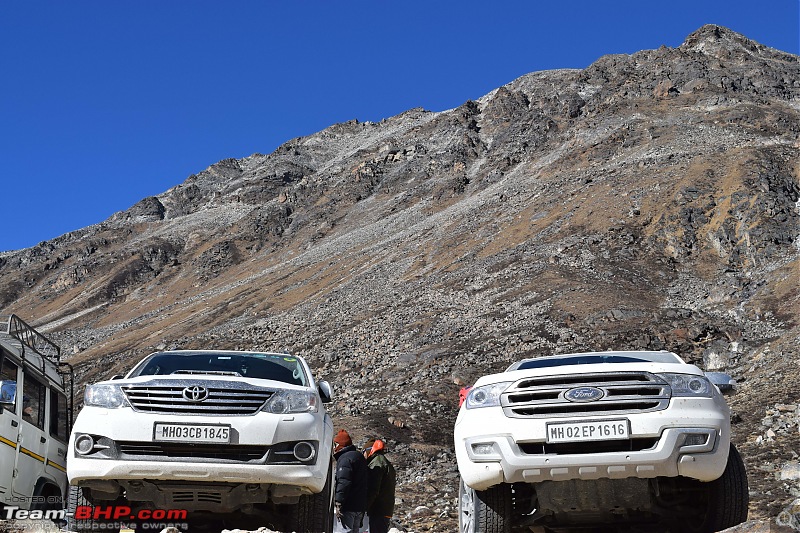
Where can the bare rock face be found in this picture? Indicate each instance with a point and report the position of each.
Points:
(149, 209)
(647, 201)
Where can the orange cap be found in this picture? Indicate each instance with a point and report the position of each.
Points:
(341, 440)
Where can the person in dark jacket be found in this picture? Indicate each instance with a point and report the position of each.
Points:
(382, 480)
(350, 497)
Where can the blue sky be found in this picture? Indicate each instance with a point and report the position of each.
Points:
(103, 103)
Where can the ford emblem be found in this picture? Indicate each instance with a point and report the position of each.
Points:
(584, 394)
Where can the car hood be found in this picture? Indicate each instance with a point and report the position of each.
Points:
(206, 380)
(598, 368)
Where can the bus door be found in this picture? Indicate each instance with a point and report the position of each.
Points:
(58, 423)
(9, 426)
(32, 437)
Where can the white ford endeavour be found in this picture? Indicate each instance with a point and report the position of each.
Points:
(235, 434)
(607, 439)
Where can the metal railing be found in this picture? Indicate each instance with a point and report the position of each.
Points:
(23, 332)
(20, 330)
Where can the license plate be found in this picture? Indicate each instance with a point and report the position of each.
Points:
(217, 433)
(587, 431)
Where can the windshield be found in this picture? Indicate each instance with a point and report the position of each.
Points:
(278, 367)
(593, 359)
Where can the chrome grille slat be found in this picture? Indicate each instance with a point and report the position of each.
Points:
(623, 393)
(171, 391)
(169, 401)
(220, 401)
(215, 401)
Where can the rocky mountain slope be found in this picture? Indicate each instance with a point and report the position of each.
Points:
(647, 201)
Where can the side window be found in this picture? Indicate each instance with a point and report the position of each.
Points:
(58, 415)
(8, 372)
(33, 405)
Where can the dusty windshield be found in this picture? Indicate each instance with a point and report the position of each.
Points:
(593, 359)
(278, 367)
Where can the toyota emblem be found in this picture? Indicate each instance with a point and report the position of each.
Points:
(195, 393)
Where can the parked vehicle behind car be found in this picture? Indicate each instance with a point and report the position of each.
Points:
(35, 416)
(236, 434)
(599, 439)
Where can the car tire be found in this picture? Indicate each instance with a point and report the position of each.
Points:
(48, 497)
(723, 502)
(314, 513)
(77, 498)
(484, 511)
(728, 497)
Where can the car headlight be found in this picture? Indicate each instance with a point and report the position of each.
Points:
(688, 385)
(486, 395)
(290, 401)
(102, 395)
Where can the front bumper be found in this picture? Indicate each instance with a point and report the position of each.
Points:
(129, 436)
(493, 449)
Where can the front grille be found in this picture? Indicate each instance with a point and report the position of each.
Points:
(623, 393)
(579, 448)
(169, 399)
(175, 451)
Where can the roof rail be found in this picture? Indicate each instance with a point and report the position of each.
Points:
(17, 328)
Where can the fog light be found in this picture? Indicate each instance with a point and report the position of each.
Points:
(304, 451)
(483, 448)
(695, 439)
(84, 444)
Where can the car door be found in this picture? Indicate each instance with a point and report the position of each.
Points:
(32, 437)
(9, 426)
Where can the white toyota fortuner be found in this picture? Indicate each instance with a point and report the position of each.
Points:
(223, 432)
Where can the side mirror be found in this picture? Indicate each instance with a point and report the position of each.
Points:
(117, 376)
(8, 392)
(325, 391)
(724, 382)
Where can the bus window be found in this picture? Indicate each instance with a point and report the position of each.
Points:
(58, 415)
(8, 372)
(33, 402)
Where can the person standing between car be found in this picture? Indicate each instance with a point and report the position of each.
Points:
(382, 482)
(350, 497)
